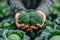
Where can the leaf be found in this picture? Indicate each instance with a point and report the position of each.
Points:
(14, 35)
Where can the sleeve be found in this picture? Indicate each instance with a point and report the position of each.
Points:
(15, 6)
(45, 6)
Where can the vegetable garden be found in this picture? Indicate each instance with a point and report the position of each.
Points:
(50, 30)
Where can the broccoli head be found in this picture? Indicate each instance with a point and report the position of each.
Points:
(30, 17)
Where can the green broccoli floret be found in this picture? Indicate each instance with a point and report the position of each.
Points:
(30, 17)
(24, 18)
(32, 21)
(36, 16)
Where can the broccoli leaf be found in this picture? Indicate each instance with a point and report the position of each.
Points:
(14, 35)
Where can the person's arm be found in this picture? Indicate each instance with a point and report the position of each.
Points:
(45, 6)
(15, 6)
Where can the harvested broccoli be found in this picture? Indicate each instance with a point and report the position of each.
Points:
(30, 17)
(36, 17)
(24, 18)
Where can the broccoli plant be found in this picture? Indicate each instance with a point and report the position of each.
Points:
(55, 35)
(4, 9)
(1, 38)
(15, 35)
(49, 34)
(57, 23)
(30, 17)
(46, 33)
(55, 38)
(8, 23)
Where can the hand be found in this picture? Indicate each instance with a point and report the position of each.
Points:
(43, 15)
(43, 18)
(16, 21)
(23, 26)
(39, 25)
(27, 27)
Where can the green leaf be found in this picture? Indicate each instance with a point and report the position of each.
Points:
(55, 38)
(14, 35)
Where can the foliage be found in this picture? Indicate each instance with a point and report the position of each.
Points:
(49, 32)
(14, 35)
(57, 23)
(4, 9)
(55, 38)
(55, 35)
(45, 34)
(7, 23)
(1, 38)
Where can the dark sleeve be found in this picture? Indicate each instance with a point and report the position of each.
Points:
(45, 6)
(15, 6)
